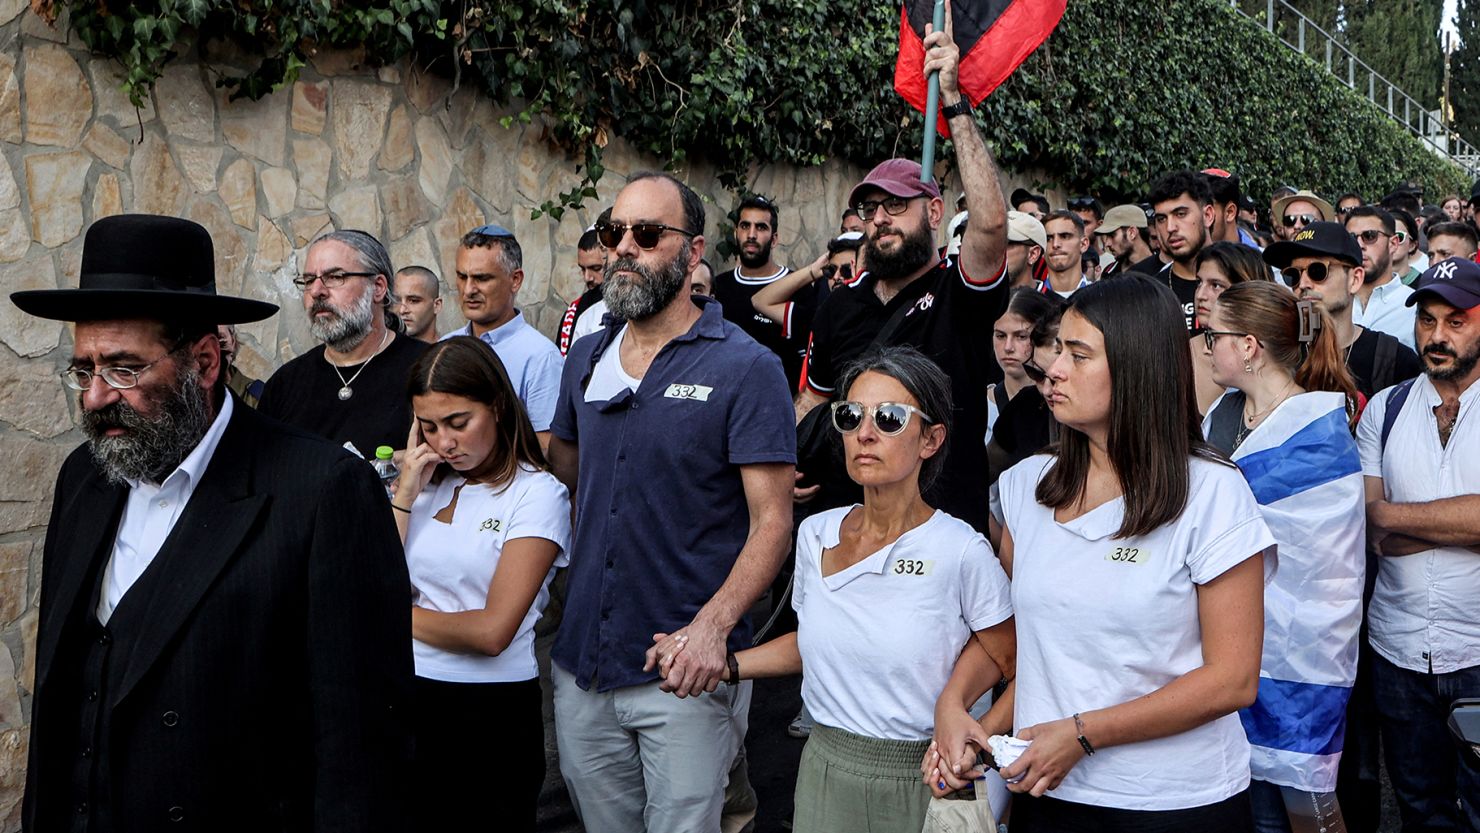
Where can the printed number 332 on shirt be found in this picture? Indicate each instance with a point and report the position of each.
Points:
(912, 567)
(1128, 555)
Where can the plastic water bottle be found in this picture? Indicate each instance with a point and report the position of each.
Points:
(386, 469)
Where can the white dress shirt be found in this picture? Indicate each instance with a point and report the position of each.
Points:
(149, 515)
(1385, 311)
(1423, 614)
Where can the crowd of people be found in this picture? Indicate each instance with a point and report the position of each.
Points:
(1147, 518)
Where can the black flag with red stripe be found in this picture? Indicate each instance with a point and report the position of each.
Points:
(994, 37)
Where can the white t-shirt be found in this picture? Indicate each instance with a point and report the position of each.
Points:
(608, 379)
(1102, 621)
(452, 564)
(589, 321)
(879, 640)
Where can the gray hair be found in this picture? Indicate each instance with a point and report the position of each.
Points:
(922, 379)
(505, 247)
(373, 258)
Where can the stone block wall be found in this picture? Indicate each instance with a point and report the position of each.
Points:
(388, 150)
(391, 150)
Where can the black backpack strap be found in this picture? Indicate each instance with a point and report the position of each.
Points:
(1395, 399)
(1384, 362)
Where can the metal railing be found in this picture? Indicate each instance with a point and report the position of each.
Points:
(1303, 35)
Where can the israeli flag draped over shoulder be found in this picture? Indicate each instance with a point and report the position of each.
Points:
(1303, 468)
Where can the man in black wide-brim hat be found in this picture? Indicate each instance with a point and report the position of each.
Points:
(225, 633)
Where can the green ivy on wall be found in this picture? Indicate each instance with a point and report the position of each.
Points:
(1122, 92)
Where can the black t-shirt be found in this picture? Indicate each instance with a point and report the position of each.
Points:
(787, 339)
(304, 393)
(1023, 428)
(948, 317)
(1398, 362)
(1226, 421)
(1185, 290)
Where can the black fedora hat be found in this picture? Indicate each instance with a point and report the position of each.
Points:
(144, 266)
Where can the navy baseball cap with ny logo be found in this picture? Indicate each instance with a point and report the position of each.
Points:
(1456, 281)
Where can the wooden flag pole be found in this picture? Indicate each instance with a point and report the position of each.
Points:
(932, 106)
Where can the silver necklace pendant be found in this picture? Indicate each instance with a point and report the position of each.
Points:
(345, 393)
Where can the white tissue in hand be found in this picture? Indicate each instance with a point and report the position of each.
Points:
(1006, 749)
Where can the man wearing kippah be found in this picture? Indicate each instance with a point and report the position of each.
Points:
(490, 270)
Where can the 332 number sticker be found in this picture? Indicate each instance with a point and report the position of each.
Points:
(912, 567)
(1128, 555)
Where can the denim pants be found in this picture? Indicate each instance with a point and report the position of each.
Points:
(1428, 769)
(1273, 805)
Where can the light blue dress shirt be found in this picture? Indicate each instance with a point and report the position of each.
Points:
(532, 361)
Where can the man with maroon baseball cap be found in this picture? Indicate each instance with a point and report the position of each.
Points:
(909, 295)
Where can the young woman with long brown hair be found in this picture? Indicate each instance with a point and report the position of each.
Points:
(1136, 557)
(485, 524)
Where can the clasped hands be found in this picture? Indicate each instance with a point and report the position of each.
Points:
(950, 764)
(691, 660)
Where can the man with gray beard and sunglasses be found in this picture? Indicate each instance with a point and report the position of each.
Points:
(673, 433)
(224, 632)
(352, 388)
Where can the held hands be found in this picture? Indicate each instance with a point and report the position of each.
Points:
(690, 661)
(1042, 767)
(417, 464)
(942, 54)
(950, 763)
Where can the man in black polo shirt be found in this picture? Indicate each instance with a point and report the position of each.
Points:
(910, 296)
(1183, 206)
(755, 237)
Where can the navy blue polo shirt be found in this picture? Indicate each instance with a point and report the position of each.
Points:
(660, 509)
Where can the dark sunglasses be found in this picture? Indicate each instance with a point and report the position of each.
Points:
(1035, 373)
(831, 269)
(890, 418)
(645, 235)
(1303, 219)
(1372, 235)
(1318, 272)
(1082, 202)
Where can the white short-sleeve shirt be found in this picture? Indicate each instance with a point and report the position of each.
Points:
(1425, 611)
(879, 639)
(452, 564)
(1102, 621)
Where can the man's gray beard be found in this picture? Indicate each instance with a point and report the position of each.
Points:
(915, 251)
(761, 257)
(638, 299)
(155, 444)
(348, 327)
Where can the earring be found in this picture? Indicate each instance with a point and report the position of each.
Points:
(1248, 366)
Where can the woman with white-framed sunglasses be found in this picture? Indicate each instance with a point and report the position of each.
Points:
(888, 593)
